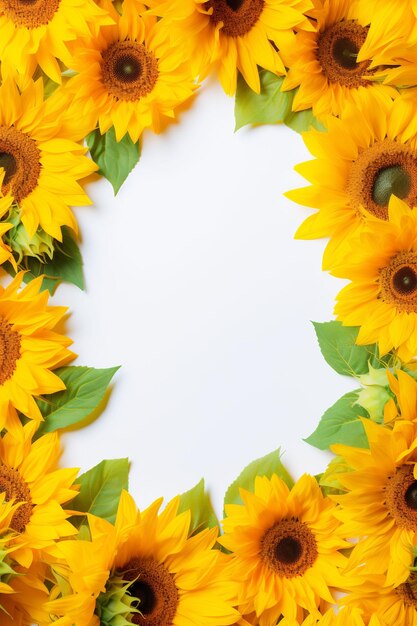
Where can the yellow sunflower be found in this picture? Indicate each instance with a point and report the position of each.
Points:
(37, 32)
(322, 64)
(352, 617)
(42, 163)
(24, 604)
(234, 34)
(285, 548)
(146, 569)
(396, 604)
(392, 39)
(130, 76)
(404, 406)
(382, 297)
(29, 349)
(380, 506)
(359, 163)
(29, 477)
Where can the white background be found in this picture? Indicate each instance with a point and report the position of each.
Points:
(196, 287)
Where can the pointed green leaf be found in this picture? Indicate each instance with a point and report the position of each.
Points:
(116, 159)
(341, 424)
(337, 345)
(265, 466)
(270, 106)
(202, 512)
(66, 265)
(301, 121)
(100, 489)
(85, 389)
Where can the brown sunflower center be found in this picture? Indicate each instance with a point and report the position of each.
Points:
(20, 159)
(288, 548)
(155, 589)
(408, 591)
(129, 71)
(337, 50)
(383, 169)
(30, 13)
(401, 497)
(398, 282)
(238, 16)
(15, 488)
(9, 350)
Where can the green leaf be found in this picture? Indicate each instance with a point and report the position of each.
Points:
(116, 159)
(85, 389)
(100, 490)
(302, 120)
(265, 466)
(66, 265)
(268, 107)
(202, 512)
(337, 345)
(271, 105)
(341, 424)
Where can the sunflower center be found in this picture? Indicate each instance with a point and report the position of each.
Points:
(401, 497)
(383, 169)
(15, 488)
(390, 180)
(289, 548)
(30, 13)
(155, 589)
(238, 16)
(9, 350)
(337, 50)
(408, 591)
(129, 71)
(19, 156)
(398, 282)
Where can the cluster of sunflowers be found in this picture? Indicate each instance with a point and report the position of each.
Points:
(80, 82)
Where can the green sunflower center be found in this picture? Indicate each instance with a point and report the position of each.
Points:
(15, 488)
(129, 70)
(9, 350)
(289, 548)
(391, 180)
(398, 282)
(401, 497)
(238, 16)
(387, 167)
(155, 590)
(20, 159)
(30, 13)
(337, 51)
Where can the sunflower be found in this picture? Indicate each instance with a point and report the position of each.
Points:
(234, 34)
(42, 164)
(396, 604)
(37, 32)
(358, 166)
(29, 477)
(353, 617)
(25, 603)
(29, 349)
(380, 506)
(130, 76)
(322, 64)
(382, 297)
(146, 569)
(404, 404)
(392, 38)
(285, 548)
